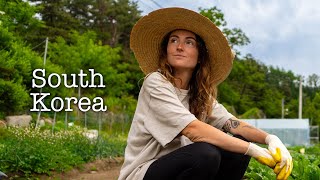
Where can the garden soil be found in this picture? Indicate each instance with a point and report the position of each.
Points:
(103, 169)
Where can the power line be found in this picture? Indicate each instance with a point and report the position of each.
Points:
(145, 4)
(38, 44)
(156, 3)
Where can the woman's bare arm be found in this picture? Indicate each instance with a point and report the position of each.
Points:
(198, 131)
(244, 129)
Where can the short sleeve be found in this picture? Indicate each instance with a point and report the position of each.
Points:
(166, 116)
(219, 116)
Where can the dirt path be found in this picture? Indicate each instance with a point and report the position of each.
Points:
(104, 169)
(110, 174)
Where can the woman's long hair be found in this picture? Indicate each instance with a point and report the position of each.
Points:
(202, 90)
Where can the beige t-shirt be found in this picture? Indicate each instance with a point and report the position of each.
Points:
(162, 113)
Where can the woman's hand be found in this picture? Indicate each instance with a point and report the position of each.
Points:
(262, 155)
(281, 155)
(282, 173)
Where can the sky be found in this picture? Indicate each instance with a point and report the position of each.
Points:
(283, 33)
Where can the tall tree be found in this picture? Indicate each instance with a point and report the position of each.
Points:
(313, 80)
(235, 36)
(312, 85)
(84, 54)
(16, 58)
(19, 17)
(113, 21)
(57, 18)
(15, 68)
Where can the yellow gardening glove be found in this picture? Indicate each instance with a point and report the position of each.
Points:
(262, 155)
(281, 172)
(281, 156)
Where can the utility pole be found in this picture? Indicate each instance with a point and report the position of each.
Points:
(300, 98)
(45, 53)
(282, 108)
(79, 96)
(44, 65)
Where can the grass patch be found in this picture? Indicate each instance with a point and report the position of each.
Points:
(30, 150)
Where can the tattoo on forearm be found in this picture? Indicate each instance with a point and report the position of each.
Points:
(231, 123)
(234, 123)
(227, 126)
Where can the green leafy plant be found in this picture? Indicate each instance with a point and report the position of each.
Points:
(306, 165)
(31, 150)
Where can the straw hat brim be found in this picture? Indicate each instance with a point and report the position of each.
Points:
(149, 31)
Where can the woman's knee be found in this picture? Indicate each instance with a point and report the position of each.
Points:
(206, 155)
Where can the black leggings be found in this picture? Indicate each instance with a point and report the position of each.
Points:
(199, 161)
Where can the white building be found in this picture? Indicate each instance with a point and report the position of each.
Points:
(292, 132)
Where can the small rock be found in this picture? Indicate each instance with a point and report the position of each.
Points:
(19, 121)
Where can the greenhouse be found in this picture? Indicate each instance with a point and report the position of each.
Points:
(292, 132)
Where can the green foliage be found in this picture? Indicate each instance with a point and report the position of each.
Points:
(110, 20)
(13, 97)
(15, 57)
(305, 166)
(57, 18)
(215, 15)
(15, 67)
(34, 151)
(253, 113)
(228, 94)
(246, 88)
(115, 18)
(235, 36)
(256, 171)
(19, 17)
(312, 109)
(253, 85)
(87, 34)
(84, 54)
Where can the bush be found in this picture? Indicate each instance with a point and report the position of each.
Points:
(31, 150)
(305, 166)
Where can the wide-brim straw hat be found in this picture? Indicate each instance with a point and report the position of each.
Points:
(148, 33)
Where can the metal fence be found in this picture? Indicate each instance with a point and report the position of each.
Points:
(314, 134)
(102, 121)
